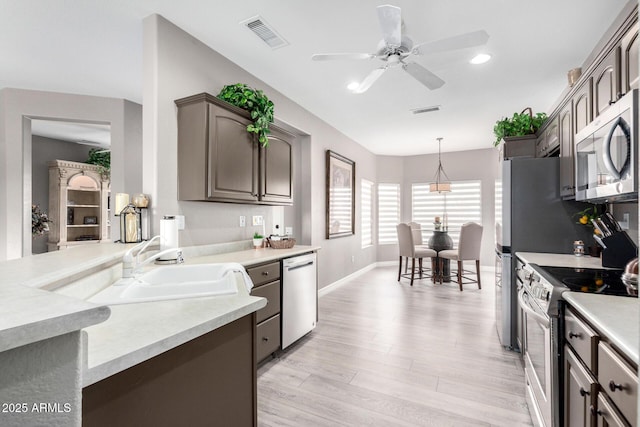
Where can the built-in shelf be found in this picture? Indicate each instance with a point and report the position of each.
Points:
(78, 202)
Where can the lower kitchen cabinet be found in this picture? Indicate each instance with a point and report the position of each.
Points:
(210, 380)
(266, 282)
(580, 388)
(600, 384)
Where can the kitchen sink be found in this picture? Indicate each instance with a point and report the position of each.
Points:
(173, 282)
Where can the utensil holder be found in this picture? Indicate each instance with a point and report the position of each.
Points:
(619, 250)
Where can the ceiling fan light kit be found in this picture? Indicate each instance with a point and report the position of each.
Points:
(480, 58)
(396, 48)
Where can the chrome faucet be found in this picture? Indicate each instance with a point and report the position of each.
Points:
(131, 264)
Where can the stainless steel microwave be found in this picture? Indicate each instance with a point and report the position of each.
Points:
(606, 154)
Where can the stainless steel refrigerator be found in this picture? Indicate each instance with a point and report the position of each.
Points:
(530, 217)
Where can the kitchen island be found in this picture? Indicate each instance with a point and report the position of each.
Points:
(47, 293)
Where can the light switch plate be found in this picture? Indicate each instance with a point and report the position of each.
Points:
(257, 220)
(243, 221)
(288, 231)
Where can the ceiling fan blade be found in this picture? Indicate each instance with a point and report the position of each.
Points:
(462, 41)
(423, 75)
(370, 80)
(331, 56)
(390, 24)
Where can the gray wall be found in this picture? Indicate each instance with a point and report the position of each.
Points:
(459, 166)
(17, 108)
(178, 65)
(43, 150)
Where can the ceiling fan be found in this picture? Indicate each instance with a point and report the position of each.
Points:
(396, 48)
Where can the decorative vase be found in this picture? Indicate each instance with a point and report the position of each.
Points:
(257, 243)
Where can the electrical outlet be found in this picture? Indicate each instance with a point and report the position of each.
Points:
(288, 231)
(243, 221)
(180, 221)
(257, 220)
(353, 259)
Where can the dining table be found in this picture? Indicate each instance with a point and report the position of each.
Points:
(439, 241)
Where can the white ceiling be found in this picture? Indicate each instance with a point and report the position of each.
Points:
(94, 47)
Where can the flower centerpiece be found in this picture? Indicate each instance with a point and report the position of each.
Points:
(39, 221)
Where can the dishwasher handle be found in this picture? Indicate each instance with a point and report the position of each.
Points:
(295, 263)
(292, 267)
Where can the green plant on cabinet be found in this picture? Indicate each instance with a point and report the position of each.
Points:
(256, 103)
(520, 124)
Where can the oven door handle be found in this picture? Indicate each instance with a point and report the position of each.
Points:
(526, 306)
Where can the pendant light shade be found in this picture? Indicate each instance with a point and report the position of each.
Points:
(442, 183)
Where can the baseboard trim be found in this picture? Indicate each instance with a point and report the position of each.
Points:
(335, 285)
(338, 283)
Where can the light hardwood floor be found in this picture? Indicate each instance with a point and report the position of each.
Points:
(388, 354)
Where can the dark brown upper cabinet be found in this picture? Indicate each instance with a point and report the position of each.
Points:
(565, 122)
(629, 48)
(219, 161)
(605, 83)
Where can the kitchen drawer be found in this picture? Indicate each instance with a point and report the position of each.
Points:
(270, 291)
(264, 273)
(607, 415)
(619, 381)
(267, 337)
(582, 338)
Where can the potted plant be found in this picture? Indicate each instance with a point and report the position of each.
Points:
(100, 158)
(256, 103)
(519, 125)
(257, 240)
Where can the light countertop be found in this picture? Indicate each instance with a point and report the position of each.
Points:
(29, 314)
(615, 317)
(560, 260)
(137, 332)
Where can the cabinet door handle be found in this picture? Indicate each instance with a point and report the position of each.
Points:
(594, 412)
(265, 339)
(265, 273)
(584, 392)
(574, 335)
(613, 386)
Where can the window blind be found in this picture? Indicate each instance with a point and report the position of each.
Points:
(366, 219)
(388, 213)
(463, 204)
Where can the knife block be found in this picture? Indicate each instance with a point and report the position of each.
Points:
(619, 250)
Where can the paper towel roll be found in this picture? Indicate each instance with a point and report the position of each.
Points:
(168, 236)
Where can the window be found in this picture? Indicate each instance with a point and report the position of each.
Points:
(463, 204)
(388, 213)
(367, 212)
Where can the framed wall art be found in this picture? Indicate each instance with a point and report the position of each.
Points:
(341, 195)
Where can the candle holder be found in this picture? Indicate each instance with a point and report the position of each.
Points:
(130, 224)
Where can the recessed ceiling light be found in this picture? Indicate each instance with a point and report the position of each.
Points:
(353, 86)
(480, 58)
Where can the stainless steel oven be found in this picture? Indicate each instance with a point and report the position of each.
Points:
(540, 347)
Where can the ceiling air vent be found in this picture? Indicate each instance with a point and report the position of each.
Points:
(426, 109)
(265, 31)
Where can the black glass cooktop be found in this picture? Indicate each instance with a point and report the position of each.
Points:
(590, 280)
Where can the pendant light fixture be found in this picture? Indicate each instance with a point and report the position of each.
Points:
(442, 183)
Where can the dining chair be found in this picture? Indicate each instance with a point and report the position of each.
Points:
(468, 250)
(408, 249)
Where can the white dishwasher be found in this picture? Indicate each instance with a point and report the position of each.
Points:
(299, 297)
